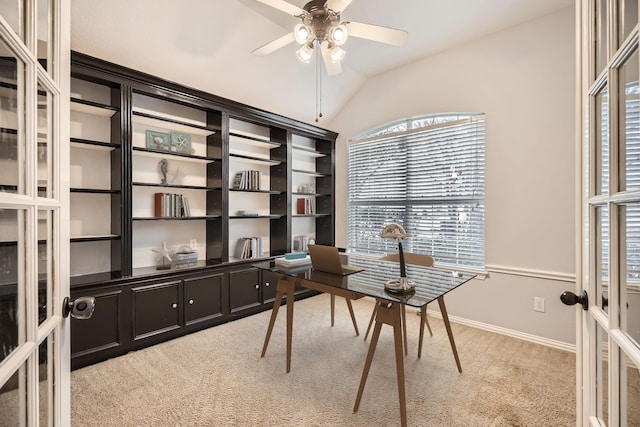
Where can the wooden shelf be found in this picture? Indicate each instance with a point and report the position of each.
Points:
(94, 108)
(148, 152)
(257, 160)
(95, 238)
(255, 191)
(92, 145)
(172, 218)
(252, 140)
(306, 172)
(255, 216)
(93, 191)
(305, 151)
(170, 123)
(188, 187)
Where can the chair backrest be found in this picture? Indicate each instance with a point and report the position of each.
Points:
(409, 258)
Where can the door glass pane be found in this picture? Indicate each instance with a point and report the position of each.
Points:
(601, 38)
(44, 142)
(45, 245)
(12, 168)
(629, 392)
(44, 33)
(13, 398)
(629, 124)
(628, 11)
(12, 11)
(630, 270)
(45, 380)
(602, 375)
(602, 141)
(602, 256)
(12, 272)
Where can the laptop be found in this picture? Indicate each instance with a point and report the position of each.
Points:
(327, 259)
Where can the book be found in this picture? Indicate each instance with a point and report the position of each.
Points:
(295, 255)
(158, 205)
(283, 262)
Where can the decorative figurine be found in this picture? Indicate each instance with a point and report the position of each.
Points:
(165, 253)
(164, 167)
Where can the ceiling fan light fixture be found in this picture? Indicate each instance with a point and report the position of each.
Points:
(339, 34)
(305, 52)
(302, 34)
(336, 53)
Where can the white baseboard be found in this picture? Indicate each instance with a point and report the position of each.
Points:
(508, 332)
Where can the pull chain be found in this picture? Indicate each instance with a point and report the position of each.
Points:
(318, 83)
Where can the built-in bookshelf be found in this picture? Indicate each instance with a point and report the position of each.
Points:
(154, 162)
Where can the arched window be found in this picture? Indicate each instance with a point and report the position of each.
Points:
(427, 174)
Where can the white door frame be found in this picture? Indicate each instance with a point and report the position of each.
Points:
(43, 214)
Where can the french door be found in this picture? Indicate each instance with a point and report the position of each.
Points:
(608, 329)
(34, 212)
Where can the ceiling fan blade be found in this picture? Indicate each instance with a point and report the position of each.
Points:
(284, 6)
(274, 45)
(338, 6)
(333, 68)
(377, 33)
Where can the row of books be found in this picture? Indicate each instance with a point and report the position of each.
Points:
(305, 206)
(184, 260)
(171, 205)
(247, 180)
(249, 247)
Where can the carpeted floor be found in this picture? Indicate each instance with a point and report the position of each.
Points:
(217, 378)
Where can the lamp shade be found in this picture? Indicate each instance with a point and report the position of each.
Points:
(302, 34)
(394, 231)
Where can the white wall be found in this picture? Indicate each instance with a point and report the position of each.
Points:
(523, 80)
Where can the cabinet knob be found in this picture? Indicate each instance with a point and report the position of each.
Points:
(191, 301)
(266, 283)
(174, 305)
(257, 286)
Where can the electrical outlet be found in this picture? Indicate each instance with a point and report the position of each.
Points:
(194, 244)
(538, 304)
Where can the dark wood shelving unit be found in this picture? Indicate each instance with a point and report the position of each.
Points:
(137, 304)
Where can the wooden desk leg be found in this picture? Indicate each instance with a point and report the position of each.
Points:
(290, 299)
(390, 315)
(397, 312)
(367, 363)
(373, 316)
(333, 308)
(445, 317)
(403, 320)
(423, 317)
(353, 316)
(285, 287)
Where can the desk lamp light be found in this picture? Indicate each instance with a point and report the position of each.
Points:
(403, 285)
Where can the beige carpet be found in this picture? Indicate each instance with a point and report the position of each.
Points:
(217, 378)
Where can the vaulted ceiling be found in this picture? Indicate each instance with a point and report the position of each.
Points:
(207, 44)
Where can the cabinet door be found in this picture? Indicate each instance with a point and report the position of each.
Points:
(244, 289)
(155, 309)
(104, 333)
(203, 298)
(269, 285)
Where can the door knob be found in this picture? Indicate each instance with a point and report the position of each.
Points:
(569, 298)
(80, 308)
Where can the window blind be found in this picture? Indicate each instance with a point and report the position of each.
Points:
(430, 180)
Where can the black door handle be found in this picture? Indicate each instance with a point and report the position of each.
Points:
(569, 298)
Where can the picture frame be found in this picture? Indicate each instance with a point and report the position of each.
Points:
(157, 140)
(181, 142)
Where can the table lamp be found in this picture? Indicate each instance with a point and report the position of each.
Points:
(396, 232)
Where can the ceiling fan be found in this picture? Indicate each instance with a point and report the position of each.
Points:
(321, 26)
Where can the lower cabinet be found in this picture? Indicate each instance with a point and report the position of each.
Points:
(139, 313)
(204, 297)
(156, 309)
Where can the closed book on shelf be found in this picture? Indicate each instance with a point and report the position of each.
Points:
(158, 205)
(301, 206)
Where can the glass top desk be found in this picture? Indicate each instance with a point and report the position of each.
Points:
(430, 284)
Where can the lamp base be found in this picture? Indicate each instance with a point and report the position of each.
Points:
(400, 286)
